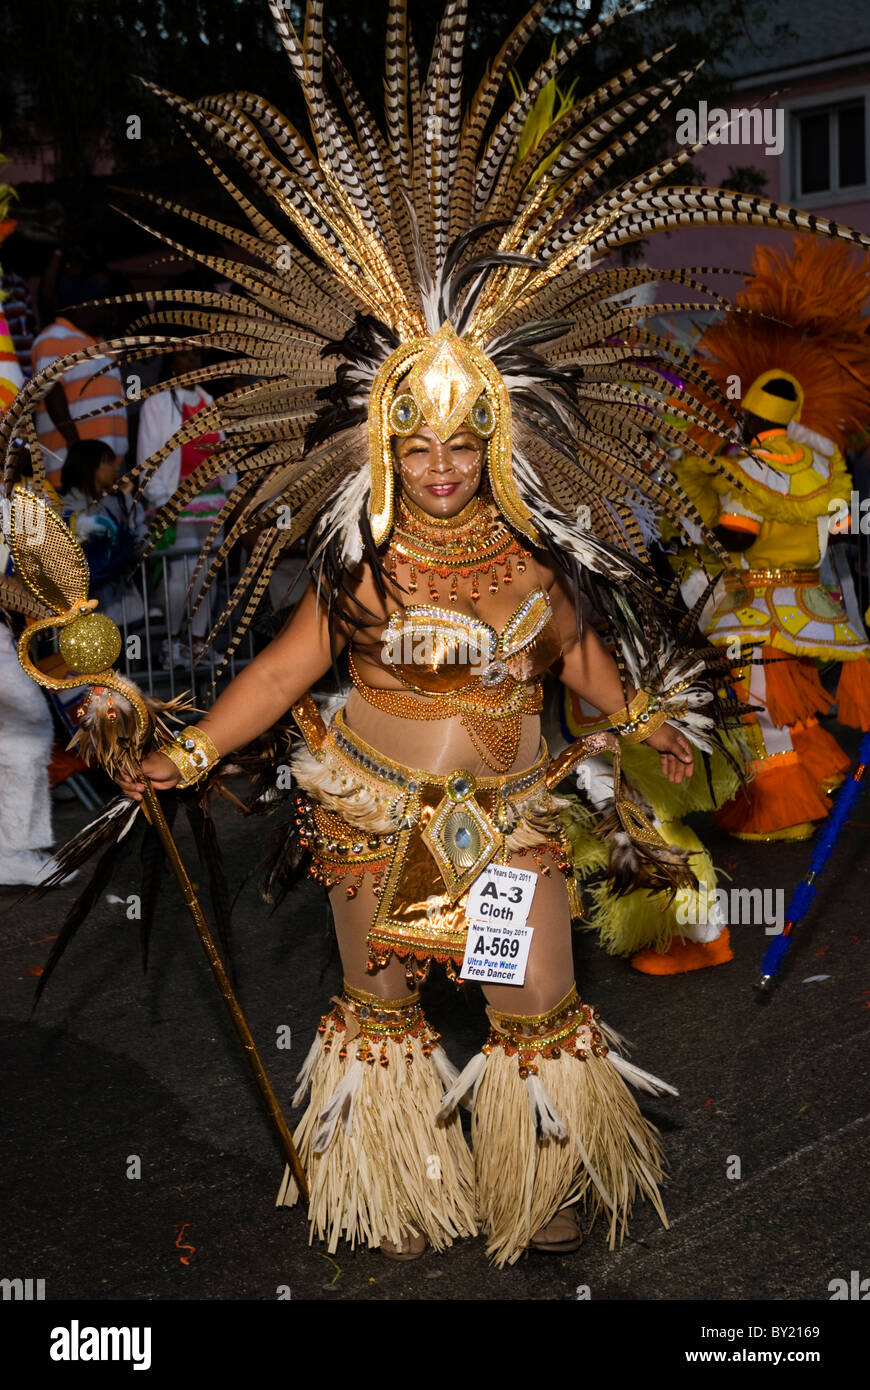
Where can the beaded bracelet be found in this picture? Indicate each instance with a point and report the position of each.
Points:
(193, 753)
(640, 719)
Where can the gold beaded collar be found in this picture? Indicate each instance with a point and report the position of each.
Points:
(475, 536)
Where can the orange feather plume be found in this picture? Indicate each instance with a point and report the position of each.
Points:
(804, 312)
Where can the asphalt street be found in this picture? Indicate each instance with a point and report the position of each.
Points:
(767, 1142)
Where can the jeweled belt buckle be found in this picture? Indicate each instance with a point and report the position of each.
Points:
(460, 836)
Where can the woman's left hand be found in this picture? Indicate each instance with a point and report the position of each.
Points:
(676, 752)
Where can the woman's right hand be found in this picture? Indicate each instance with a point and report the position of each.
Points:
(160, 771)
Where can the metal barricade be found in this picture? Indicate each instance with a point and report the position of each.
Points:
(162, 662)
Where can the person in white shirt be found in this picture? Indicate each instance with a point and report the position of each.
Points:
(161, 416)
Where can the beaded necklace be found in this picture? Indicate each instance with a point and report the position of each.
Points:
(474, 542)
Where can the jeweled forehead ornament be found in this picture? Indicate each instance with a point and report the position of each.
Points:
(450, 383)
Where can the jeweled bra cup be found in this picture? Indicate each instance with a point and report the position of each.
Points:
(462, 649)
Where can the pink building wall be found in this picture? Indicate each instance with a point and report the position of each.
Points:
(732, 247)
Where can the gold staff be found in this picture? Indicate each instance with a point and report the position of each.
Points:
(117, 728)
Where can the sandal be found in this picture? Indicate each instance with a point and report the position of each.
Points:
(561, 1235)
(412, 1247)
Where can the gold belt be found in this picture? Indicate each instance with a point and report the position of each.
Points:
(772, 577)
(465, 818)
(444, 830)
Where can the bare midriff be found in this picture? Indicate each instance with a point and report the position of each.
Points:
(437, 745)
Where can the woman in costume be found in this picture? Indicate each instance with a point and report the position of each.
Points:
(447, 303)
(434, 766)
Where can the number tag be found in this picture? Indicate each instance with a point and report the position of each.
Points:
(498, 940)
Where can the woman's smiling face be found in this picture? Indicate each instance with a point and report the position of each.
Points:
(439, 478)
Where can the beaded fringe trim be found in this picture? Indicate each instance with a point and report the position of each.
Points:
(379, 1164)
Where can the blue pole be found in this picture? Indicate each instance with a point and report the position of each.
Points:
(805, 893)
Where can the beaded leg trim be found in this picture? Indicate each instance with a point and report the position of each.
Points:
(554, 1123)
(380, 1163)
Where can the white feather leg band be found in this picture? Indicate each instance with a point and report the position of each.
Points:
(574, 1135)
(380, 1165)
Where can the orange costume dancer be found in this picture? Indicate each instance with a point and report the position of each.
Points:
(804, 379)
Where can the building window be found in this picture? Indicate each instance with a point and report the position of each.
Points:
(830, 147)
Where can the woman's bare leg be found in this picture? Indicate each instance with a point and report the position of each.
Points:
(353, 919)
(550, 968)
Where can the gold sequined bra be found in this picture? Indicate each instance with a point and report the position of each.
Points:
(467, 668)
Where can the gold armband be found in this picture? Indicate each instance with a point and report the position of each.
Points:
(193, 753)
(640, 719)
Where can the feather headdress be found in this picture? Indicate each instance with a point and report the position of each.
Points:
(458, 245)
(802, 313)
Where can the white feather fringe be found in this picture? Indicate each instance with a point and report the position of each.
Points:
(306, 1071)
(447, 1072)
(338, 1107)
(468, 1080)
(640, 1079)
(545, 1117)
(342, 516)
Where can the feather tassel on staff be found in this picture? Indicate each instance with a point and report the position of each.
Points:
(805, 893)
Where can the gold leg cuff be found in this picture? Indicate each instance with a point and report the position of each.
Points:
(355, 995)
(571, 1027)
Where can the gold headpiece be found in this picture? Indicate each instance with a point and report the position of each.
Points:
(471, 241)
(450, 383)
